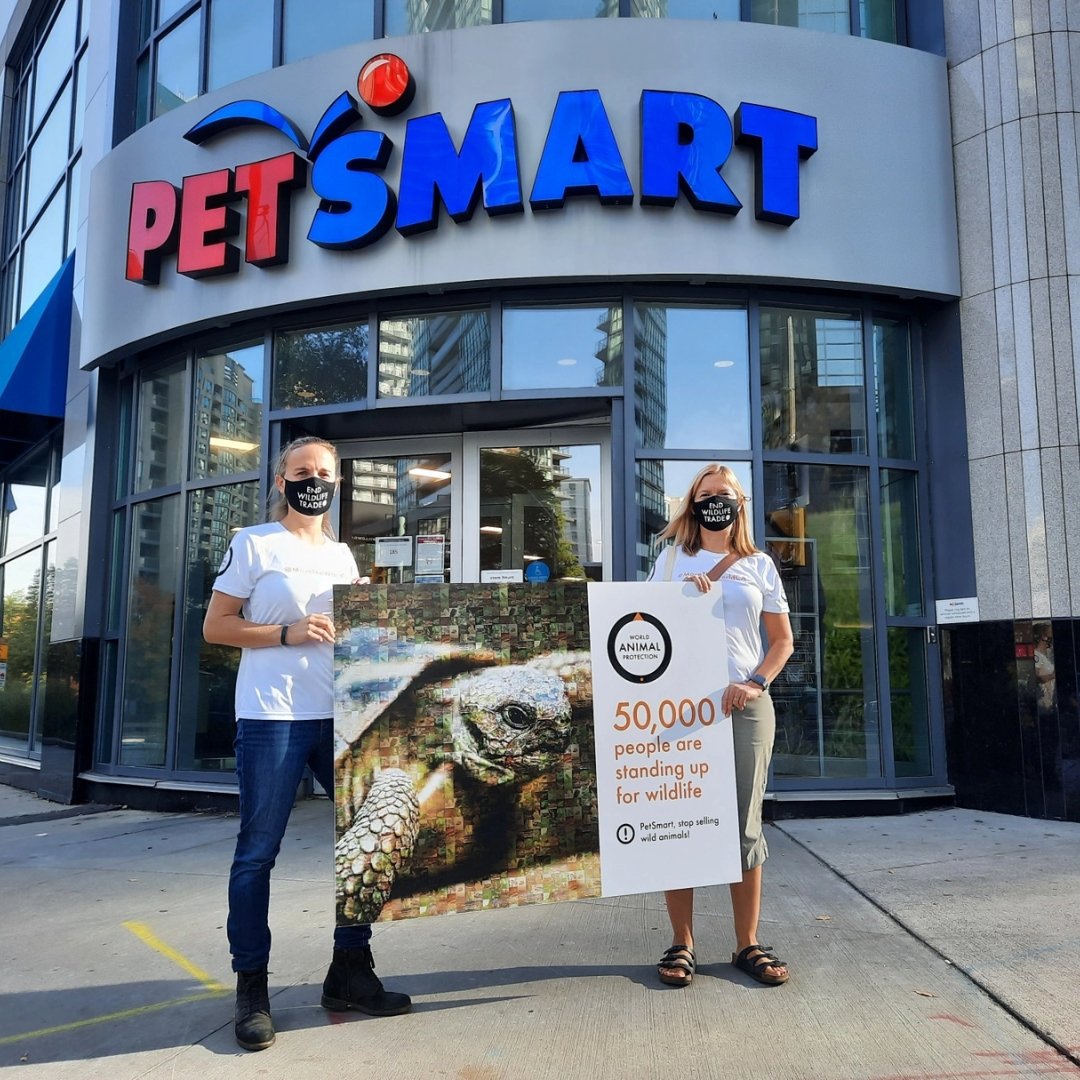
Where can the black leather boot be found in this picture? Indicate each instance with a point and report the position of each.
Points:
(254, 1028)
(351, 983)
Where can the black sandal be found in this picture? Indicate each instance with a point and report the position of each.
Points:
(679, 958)
(755, 965)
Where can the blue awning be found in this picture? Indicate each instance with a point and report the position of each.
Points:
(34, 356)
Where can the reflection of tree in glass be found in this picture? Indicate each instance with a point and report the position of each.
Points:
(321, 367)
(146, 672)
(508, 473)
(20, 624)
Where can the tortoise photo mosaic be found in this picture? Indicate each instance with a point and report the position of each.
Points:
(464, 760)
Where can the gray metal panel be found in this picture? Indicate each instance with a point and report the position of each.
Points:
(877, 204)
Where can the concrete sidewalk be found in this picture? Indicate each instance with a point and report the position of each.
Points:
(925, 947)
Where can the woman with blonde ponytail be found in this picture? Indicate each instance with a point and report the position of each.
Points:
(273, 600)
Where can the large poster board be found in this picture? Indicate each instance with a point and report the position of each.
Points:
(504, 744)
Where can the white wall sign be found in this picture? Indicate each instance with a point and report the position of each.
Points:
(958, 610)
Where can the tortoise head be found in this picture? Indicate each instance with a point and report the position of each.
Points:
(509, 723)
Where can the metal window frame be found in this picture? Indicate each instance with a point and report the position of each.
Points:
(625, 453)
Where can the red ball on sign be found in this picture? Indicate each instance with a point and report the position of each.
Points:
(386, 84)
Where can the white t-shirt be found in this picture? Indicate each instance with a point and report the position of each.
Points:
(750, 587)
(281, 579)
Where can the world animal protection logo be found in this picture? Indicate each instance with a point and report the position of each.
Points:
(684, 141)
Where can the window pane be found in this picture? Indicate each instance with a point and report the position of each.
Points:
(20, 117)
(562, 347)
(160, 428)
(241, 39)
(420, 355)
(327, 366)
(80, 104)
(419, 16)
(340, 22)
(21, 582)
(145, 17)
(541, 505)
(893, 393)
(812, 385)
(116, 565)
(52, 518)
(167, 9)
(660, 489)
(877, 19)
(25, 496)
(155, 566)
(910, 715)
(398, 496)
(13, 219)
(691, 377)
(531, 10)
(227, 411)
(74, 181)
(818, 531)
(142, 92)
(177, 66)
(46, 633)
(830, 16)
(900, 542)
(43, 252)
(107, 718)
(206, 725)
(48, 156)
(54, 59)
(727, 10)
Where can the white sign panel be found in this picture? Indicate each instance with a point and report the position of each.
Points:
(665, 766)
(958, 610)
(430, 554)
(393, 551)
(501, 577)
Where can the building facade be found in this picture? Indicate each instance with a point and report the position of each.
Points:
(530, 266)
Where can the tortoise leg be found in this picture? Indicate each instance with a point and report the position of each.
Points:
(379, 842)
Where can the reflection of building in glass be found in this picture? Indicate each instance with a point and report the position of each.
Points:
(812, 378)
(609, 351)
(227, 417)
(394, 497)
(424, 15)
(216, 513)
(650, 373)
(650, 416)
(434, 354)
(577, 496)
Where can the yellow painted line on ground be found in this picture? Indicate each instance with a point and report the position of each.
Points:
(123, 1014)
(212, 989)
(148, 937)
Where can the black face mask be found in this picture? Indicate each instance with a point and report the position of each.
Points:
(310, 496)
(715, 513)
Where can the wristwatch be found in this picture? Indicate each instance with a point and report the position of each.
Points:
(758, 680)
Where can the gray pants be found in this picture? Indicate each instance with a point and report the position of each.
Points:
(754, 729)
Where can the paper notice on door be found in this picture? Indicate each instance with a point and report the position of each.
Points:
(430, 554)
(393, 550)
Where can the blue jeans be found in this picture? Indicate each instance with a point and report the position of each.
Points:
(270, 760)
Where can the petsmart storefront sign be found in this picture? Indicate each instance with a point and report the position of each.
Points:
(526, 155)
(684, 141)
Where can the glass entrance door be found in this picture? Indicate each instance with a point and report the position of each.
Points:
(538, 505)
(526, 505)
(399, 509)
